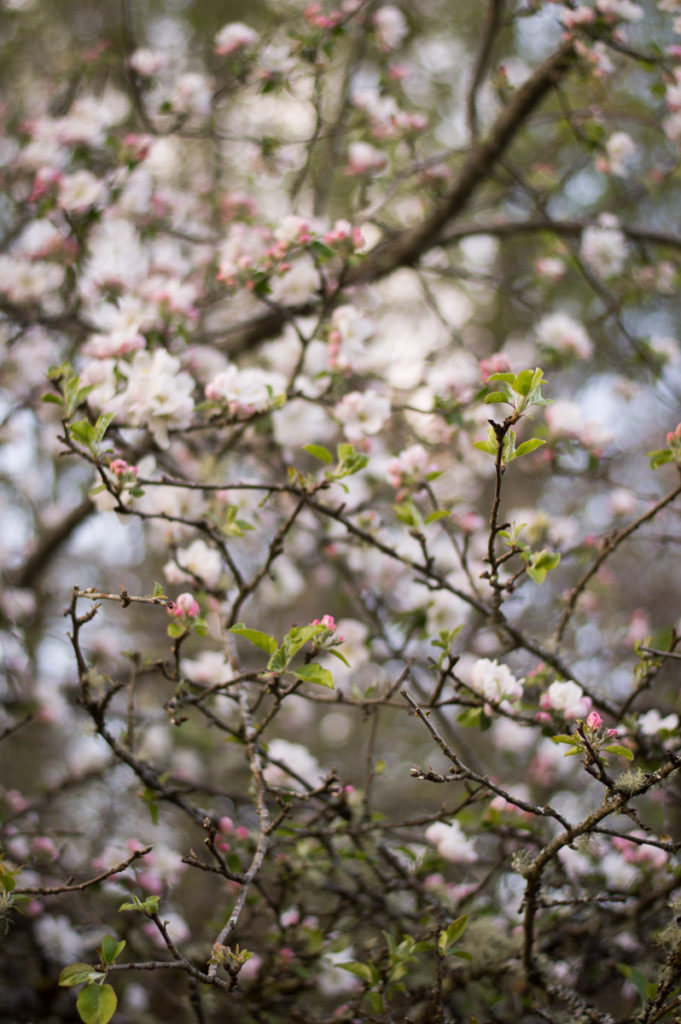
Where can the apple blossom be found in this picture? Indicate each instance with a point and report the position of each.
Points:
(364, 158)
(233, 37)
(451, 842)
(495, 682)
(567, 699)
(604, 248)
(185, 605)
(254, 282)
(560, 333)
(362, 414)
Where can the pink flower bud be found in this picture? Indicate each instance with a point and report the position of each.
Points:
(185, 604)
(327, 621)
(594, 720)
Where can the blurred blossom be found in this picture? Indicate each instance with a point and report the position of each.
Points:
(233, 37)
(147, 62)
(651, 722)
(560, 333)
(604, 247)
(451, 843)
(391, 26)
(295, 757)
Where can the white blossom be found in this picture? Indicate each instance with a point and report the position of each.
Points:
(297, 285)
(451, 842)
(234, 36)
(560, 332)
(59, 940)
(621, 150)
(391, 26)
(568, 699)
(620, 9)
(363, 158)
(604, 248)
(210, 668)
(199, 559)
(147, 62)
(192, 95)
(495, 682)
(652, 722)
(158, 395)
(362, 413)
(248, 390)
(297, 758)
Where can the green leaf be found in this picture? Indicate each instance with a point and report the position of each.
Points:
(175, 630)
(646, 989)
(314, 673)
(615, 748)
(319, 452)
(528, 446)
(453, 933)
(322, 252)
(111, 949)
(407, 514)
(52, 399)
(470, 718)
(546, 560)
(561, 738)
(8, 879)
(148, 906)
(440, 513)
(96, 1004)
(82, 431)
(536, 575)
(507, 378)
(158, 590)
(341, 657)
(486, 446)
(496, 397)
(102, 425)
(278, 661)
(524, 382)
(364, 971)
(254, 636)
(349, 462)
(297, 637)
(660, 457)
(78, 974)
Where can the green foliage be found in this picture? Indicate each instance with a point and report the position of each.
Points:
(71, 394)
(281, 655)
(149, 906)
(474, 718)
(509, 451)
(314, 673)
(646, 989)
(447, 939)
(539, 563)
(96, 1003)
(578, 745)
(254, 636)
(521, 391)
(660, 457)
